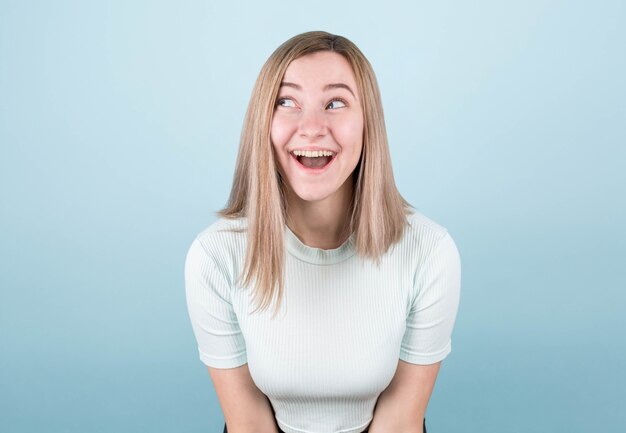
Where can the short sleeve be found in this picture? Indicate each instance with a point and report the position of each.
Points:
(220, 341)
(437, 289)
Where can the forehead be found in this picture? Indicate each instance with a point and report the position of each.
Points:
(320, 68)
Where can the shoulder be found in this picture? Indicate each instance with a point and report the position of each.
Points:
(221, 231)
(222, 234)
(423, 230)
(222, 242)
(423, 237)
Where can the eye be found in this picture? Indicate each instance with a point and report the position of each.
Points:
(285, 102)
(336, 103)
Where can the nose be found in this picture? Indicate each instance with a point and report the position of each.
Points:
(312, 124)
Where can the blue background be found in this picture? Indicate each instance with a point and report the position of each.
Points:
(119, 127)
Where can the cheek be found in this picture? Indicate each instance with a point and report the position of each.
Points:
(278, 138)
(350, 134)
(280, 132)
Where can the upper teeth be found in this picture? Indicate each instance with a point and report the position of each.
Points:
(312, 153)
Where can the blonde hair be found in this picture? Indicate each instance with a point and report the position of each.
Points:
(378, 216)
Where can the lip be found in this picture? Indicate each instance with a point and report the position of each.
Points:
(309, 169)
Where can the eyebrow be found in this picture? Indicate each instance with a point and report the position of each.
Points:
(326, 87)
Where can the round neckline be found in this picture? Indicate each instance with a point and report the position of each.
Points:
(318, 256)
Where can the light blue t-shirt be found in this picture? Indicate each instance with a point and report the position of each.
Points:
(343, 325)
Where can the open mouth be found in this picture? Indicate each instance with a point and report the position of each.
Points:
(314, 160)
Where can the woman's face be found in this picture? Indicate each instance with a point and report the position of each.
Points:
(317, 129)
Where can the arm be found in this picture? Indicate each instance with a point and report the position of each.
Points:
(402, 405)
(246, 409)
(221, 344)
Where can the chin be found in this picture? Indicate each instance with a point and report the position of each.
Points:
(313, 196)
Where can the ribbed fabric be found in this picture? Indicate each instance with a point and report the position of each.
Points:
(344, 322)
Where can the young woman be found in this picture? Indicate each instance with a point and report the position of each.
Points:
(365, 289)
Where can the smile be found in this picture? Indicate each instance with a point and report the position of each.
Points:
(313, 160)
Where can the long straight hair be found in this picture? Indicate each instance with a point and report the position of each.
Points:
(379, 213)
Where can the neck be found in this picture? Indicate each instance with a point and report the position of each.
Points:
(321, 224)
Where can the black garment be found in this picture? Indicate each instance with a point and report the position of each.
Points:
(364, 431)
